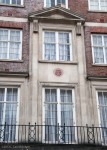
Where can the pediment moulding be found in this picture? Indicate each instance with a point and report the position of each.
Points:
(56, 13)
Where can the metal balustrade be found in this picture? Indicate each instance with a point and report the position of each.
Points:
(53, 134)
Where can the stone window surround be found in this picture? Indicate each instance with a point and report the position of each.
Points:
(52, 27)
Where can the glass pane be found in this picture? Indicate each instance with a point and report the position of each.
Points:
(19, 2)
(106, 54)
(66, 115)
(98, 55)
(60, 1)
(14, 1)
(103, 4)
(10, 113)
(97, 40)
(50, 95)
(14, 50)
(64, 52)
(102, 98)
(2, 90)
(3, 50)
(3, 35)
(64, 38)
(15, 36)
(105, 41)
(50, 3)
(68, 132)
(1, 113)
(49, 37)
(94, 5)
(66, 96)
(50, 114)
(50, 119)
(12, 94)
(50, 53)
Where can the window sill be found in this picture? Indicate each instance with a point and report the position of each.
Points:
(97, 11)
(58, 62)
(102, 65)
(10, 5)
(8, 60)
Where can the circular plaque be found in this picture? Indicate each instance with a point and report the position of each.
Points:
(58, 72)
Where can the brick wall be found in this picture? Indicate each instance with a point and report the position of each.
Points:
(81, 8)
(29, 6)
(17, 66)
(93, 70)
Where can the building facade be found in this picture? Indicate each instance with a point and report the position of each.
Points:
(53, 70)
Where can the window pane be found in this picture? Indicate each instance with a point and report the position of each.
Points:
(19, 2)
(50, 3)
(60, 1)
(64, 38)
(66, 96)
(97, 40)
(51, 114)
(98, 55)
(3, 50)
(1, 113)
(66, 115)
(49, 37)
(3, 35)
(15, 36)
(10, 114)
(7, 1)
(14, 1)
(2, 90)
(64, 52)
(94, 5)
(12, 94)
(14, 50)
(102, 98)
(50, 53)
(10, 44)
(103, 4)
(64, 48)
(50, 95)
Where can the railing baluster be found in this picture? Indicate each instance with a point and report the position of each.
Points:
(53, 134)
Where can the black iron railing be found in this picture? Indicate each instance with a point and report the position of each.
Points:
(53, 134)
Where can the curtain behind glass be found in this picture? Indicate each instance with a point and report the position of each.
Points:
(102, 98)
(50, 114)
(94, 4)
(8, 111)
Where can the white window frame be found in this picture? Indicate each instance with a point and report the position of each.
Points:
(58, 108)
(20, 49)
(66, 5)
(57, 44)
(103, 46)
(18, 104)
(22, 2)
(99, 4)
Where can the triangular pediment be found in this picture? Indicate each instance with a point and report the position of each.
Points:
(56, 12)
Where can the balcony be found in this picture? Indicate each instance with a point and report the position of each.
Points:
(50, 134)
